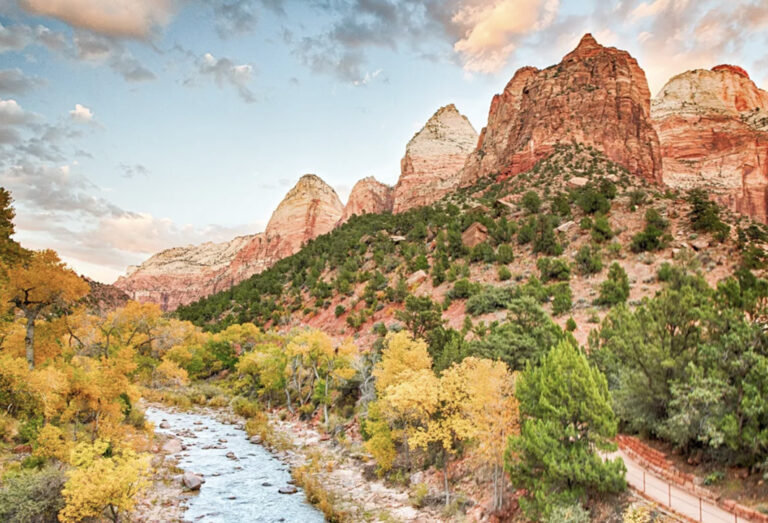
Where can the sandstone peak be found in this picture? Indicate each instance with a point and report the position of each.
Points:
(731, 69)
(713, 127)
(433, 159)
(587, 47)
(368, 196)
(310, 208)
(596, 95)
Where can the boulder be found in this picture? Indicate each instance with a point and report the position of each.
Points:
(288, 489)
(192, 481)
(172, 446)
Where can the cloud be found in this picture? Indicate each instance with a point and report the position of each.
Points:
(133, 170)
(235, 17)
(81, 114)
(118, 18)
(13, 81)
(11, 113)
(494, 29)
(55, 188)
(98, 49)
(225, 72)
(14, 37)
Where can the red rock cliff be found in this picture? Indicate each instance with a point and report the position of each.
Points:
(597, 96)
(713, 127)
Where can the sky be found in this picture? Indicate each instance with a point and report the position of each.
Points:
(132, 126)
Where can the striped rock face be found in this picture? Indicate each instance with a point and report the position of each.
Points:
(713, 128)
(433, 159)
(596, 95)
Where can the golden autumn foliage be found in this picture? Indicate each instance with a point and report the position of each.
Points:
(104, 480)
(36, 285)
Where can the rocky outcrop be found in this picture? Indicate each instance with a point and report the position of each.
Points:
(433, 159)
(310, 209)
(182, 275)
(368, 196)
(596, 95)
(713, 128)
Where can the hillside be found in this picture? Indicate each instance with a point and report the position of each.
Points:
(359, 274)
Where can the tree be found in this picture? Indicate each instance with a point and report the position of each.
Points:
(405, 386)
(480, 394)
(615, 289)
(11, 252)
(531, 202)
(525, 336)
(104, 479)
(421, 315)
(566, 421)
(40, 285)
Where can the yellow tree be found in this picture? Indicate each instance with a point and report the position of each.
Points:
(406, 387)
(104, 480)
(328, 365)
(475, 402)
(38, 285)
(483, 392)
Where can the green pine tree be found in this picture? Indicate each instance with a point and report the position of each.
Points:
(566, 416)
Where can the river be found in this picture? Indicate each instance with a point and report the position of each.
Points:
(235, 490)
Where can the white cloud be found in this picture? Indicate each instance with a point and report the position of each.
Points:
(120, 18)
(81, 114)
(11, 113)
(225, 71)
(493, 30)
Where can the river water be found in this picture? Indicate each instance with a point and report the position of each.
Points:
(244, 489)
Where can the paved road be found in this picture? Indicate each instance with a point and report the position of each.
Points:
(673, 497)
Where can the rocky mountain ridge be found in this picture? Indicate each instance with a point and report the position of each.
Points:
(705, 129)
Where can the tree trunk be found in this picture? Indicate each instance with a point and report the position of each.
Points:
(445, 481)
(29, 339)
(325, 402)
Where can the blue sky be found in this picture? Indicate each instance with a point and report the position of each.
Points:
(129, 126)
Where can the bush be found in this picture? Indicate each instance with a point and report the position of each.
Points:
(489, 299)
(243, 407)
(570, 325)
(338, 311)
(561, 298)
(615, 289)
(32, 496)
(561, 206)
(544, 240)
(526, 233)
(554, 269)
(601, 229)
(705, 215)
(505, 254)
(504, 273)
(592, 201)
(589, 260)
(531, 202)
(568, 514)
(652, 238)
(463, 289)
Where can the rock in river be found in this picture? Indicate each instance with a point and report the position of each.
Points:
(192, 481)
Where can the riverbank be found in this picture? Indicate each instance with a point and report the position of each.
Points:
(335, 477)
